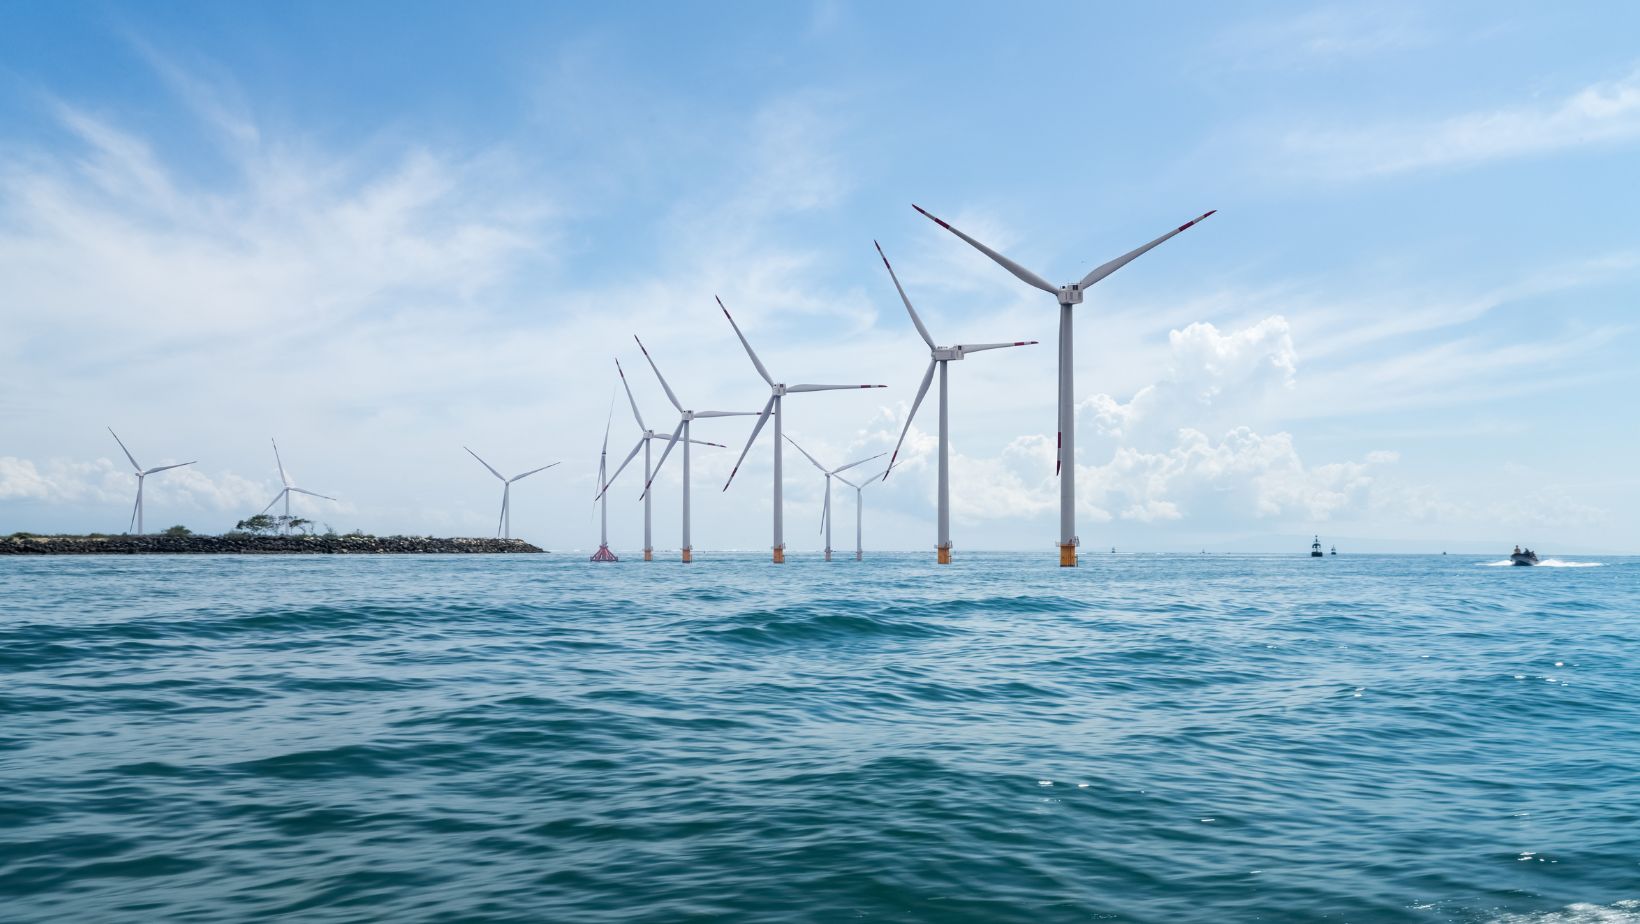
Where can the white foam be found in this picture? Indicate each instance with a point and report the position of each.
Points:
(1623, 912)
(1546, 563)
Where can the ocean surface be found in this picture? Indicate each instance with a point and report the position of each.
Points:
(537, 738)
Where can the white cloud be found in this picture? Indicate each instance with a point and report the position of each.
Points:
(1324, 36)
(1600, 113)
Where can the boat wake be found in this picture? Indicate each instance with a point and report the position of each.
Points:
(1546, 563)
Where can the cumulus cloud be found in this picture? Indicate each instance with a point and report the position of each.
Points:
(101, 481)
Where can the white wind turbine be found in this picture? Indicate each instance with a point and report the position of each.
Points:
(503, 525)
(1069, 296)
(289, 488)
(825, 509)
(859, 509)
(141, 473)
(679, 435)
(940, 357)
(648, 437)
(778, 391)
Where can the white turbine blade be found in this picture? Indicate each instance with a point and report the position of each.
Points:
(486, 464)
(706, 443)
(664, 387)
(279, 462)
(825, 510)
(977, 347)
(531, 472)
(846, 481)
(631, 400)
(166, 468)
(726, 413)
(795, 388)
(127, 452)
(922, 390)
(1101, 272)
(275, 500)
(135, 506)
(622, 467)
(861, 462)
(755, 361)
(608, 420)
(1007, 264)
(311, 493)
(654, 472)
(762, 419)
(806, 455)
(927, 338)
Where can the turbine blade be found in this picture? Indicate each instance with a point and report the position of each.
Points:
(705, 443)
(166, 468)
(621, 468)
(1104, 270)
(1007, 264)
(531, 472)
(978, 347)
(657, 469)
(825, 511)
(311, 493)
(922, 390)
(664, 387)
(631, 400)
(128, 455)
(806, 455)
(846, 481)
(795, 388)
(861, 462)
(927, 338)
(762, 419)
(755, 361)
(279, 462)
(275, 500)
(486, 464)
(726, 413)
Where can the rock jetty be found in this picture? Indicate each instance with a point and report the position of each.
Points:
(256, 545)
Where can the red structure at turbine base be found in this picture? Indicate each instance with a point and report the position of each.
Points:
(604, 554)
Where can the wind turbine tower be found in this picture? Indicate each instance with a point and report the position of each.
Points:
(603, 553)
(141, 473)
(503, 525)
(1069, 296)
(940, 357)
(859, 511)
(778, 391)
(825, 509)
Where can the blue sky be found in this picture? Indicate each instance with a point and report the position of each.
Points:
(380, 232)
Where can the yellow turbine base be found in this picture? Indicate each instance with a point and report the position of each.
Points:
(944, 554)
(648, 554)
(688, 555)
(780, 556)
(1067, 556)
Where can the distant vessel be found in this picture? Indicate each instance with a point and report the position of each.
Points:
(1113, 550)
(1523, 557)
(1315, 548)
(1335, 550)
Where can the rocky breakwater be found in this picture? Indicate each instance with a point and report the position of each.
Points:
(256, 545)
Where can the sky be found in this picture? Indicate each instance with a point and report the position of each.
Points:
(382, 232)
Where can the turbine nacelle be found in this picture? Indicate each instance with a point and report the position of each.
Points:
(1071, 294)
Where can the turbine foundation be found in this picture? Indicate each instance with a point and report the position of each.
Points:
(828, 555)
(604, 554)
(780, 555)
(944, 554)
(648, 554)
(1067, 555)
(688, 555)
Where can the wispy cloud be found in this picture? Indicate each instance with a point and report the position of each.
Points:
(1601, 113)
(1325, 36)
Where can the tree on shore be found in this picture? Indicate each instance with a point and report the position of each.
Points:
(177, 530)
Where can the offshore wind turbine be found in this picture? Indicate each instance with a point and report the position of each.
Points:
(859, 508)
(778, 391)
(649, 436)
(1069, 296)
(603, 553)
(940, 357)
(503, 525)
(289, 488)
(141, 473)
(686, 417)
(825, 509)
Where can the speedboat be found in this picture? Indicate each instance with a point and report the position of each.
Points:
(1523, 557)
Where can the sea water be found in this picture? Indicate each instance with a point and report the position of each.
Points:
(537, 738)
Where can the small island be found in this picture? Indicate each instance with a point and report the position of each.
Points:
(260, 535)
